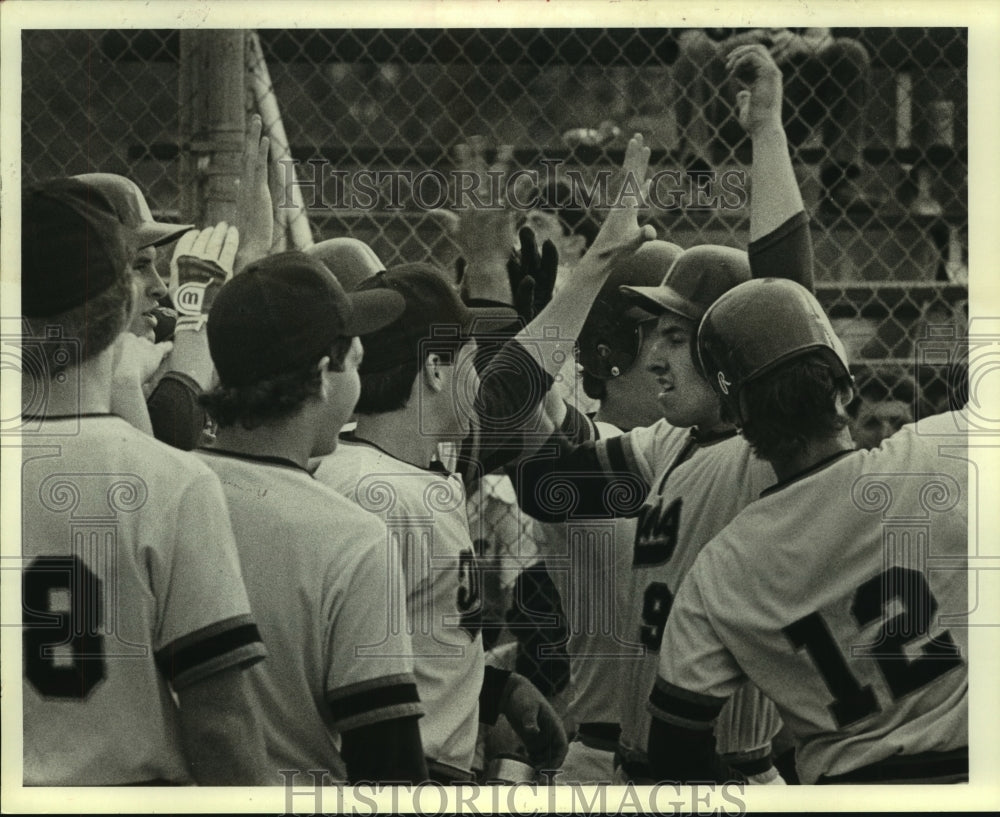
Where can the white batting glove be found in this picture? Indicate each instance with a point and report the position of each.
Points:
(202, 263)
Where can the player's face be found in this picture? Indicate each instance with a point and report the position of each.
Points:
(460, 391)
(685, 398)
(637, 387)
(876, 421)
(149, 288)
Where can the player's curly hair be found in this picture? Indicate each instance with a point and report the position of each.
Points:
(85, 330)
(792, 404)
(272, 399)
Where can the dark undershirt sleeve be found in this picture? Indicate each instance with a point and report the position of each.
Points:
(564, 481)
(177, 417)
(785, 253)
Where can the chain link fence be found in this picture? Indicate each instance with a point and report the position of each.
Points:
(876, 121)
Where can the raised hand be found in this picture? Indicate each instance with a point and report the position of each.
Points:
(202, 262)
(485, 234)
(532, 275)
(759, 105)
(254, 212)
(621, 234)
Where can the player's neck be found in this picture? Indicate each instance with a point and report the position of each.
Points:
(816, 450)
(84, 389)
(622, 413)
(287, 440)
(395, 434)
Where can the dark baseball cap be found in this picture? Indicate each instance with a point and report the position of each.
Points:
(349, 259)
(693, 283)
(433, 312)
(73, 247)
(130, 205)
(285, 311)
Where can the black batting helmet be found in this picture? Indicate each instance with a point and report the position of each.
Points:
(613, 321)
(755, 327)
(698, 276)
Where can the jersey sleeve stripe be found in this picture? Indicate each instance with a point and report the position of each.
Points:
(371, 702)
(614, 458)
(234, 642)
(683, 707)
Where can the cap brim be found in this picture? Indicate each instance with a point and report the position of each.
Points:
(372, 310)
(656, 300)
(156, 234)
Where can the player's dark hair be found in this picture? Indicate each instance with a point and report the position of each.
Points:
(85, 330)
(273, 399)
(389, 390)
(386, 391)
(784, 409)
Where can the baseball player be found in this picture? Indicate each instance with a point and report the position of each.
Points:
(590, 561)
(137, 628)
(163, 399)
(338, 692)
(419, 383)
(685, 476)
(842, 592)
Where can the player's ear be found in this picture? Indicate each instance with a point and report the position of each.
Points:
(432, 374)
(323, 367)
(844, 398)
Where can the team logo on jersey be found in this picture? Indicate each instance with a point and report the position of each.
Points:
(656, 534)
(723, 383)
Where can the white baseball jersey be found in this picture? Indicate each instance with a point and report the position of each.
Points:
(688, 505)
(425, 514)
(325, 584)
(131, 588)
(843, 595)
(589, 561)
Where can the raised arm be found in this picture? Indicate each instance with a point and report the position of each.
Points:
(780, 243)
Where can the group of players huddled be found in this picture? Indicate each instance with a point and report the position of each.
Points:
(300, 591)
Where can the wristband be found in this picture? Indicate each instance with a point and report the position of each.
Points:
(190, 323)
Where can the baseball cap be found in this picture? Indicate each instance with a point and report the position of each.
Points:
(285, 311)
(695, 280)
(73, 247)
(433, 311)
(132, 210)
(349, 259)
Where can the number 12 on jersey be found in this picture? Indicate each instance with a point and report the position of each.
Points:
(902, 674)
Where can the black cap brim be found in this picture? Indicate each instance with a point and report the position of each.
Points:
(372, 310)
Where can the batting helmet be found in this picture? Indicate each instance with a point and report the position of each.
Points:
(613, 322)
(755, 327)
(698, 276)
(132, 210)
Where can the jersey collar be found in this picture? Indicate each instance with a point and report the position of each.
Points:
(264, 459)
(812, 469)
(435, 465)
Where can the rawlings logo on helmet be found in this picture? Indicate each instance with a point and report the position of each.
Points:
(723, 383)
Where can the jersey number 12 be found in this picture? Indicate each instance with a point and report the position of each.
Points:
(903, 675)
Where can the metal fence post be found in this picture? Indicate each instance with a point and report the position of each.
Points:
(212, 122)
